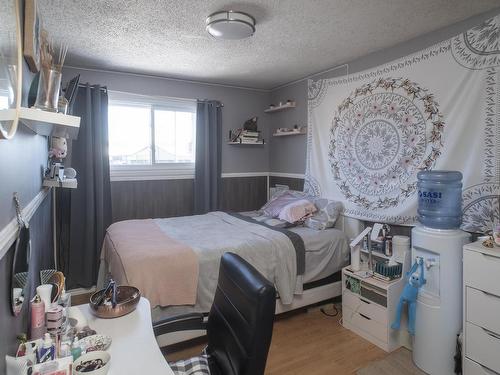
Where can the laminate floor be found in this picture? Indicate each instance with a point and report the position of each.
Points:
(309, 343)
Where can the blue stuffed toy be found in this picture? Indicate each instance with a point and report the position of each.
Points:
(409, 295)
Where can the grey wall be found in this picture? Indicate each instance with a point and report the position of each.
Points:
(287, 154)
(23, 159)
(239, 106)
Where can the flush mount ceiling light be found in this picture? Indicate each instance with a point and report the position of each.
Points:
(230, 25)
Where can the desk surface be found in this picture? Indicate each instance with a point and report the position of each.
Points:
(134, 349)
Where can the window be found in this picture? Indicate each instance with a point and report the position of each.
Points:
(151, 138)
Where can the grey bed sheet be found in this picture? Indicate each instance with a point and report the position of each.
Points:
(327, 251)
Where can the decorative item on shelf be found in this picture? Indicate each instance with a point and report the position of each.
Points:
(245, 136)
(49, 82)
(56, 175)
(281, 106)
(296, 130)
(496, 233)
(32, 29)
(251, 124)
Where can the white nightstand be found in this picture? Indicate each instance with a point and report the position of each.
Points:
(370, 311)
(481, 348)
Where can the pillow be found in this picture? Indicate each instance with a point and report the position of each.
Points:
(297, 211)
(326, 216)
(276, 204)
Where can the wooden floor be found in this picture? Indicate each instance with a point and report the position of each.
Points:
(309, 343)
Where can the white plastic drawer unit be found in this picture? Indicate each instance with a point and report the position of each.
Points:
(482, 271)
(482, 346)
(474, 368)
(365, 323)
(364, 307)
(483, 309)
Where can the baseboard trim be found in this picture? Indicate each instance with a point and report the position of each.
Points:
(245, 174)
(300, 176)
(9, 233)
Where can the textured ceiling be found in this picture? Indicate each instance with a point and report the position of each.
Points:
(294, 38)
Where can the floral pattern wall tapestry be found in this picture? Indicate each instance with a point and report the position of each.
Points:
(370, 133)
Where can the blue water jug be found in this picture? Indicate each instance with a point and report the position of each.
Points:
(440, 199)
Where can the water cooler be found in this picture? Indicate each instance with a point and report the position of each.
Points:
(438, 241)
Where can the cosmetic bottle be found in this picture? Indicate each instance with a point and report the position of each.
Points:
(47, 352)
(37, 318)
(76, 350)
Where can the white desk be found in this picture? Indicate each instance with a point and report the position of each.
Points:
(134, 349)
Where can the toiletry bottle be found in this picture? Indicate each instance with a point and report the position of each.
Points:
(76, 350)
(47, 352)
(37, 318)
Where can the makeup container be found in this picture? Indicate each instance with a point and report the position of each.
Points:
(37, 318)
(54, 319)
(45, 293)
(47, 351)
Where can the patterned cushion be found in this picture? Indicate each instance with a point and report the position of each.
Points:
(274, 206)
(191, 366)
(327, 215)
(297, 211)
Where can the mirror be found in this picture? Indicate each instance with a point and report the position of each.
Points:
(20, 270)
(10, 67)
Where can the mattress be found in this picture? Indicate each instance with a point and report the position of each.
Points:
(327, 252)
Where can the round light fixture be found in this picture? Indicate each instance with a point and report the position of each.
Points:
(228, 24)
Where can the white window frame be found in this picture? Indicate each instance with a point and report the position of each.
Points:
(153, 171)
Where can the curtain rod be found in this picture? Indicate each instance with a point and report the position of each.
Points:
(102, 88)
(165, 97)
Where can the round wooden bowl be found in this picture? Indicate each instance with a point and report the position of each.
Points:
(127, 298)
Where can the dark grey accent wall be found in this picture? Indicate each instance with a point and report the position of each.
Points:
(287, 154)
(170, 198)
(292, 183)
(151, 199)
(243, 193)
(239, 105)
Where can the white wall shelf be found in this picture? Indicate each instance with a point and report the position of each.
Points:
(286, 134)
(259, 143)
(279, 108)
(69, 183)
(50, 123)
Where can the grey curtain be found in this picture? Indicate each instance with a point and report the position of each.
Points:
(207, 181)
(85, 212)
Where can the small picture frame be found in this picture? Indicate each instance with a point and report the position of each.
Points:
(32, 30)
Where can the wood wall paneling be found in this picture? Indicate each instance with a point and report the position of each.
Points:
(151, 199)
(243, 193)
(293, 183)
(170, 198)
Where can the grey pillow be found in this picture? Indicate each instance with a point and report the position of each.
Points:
(327, 214)
(274, 206)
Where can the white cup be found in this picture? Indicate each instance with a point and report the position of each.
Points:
(45, 293)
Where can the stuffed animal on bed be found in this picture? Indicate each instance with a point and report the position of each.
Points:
(409, 296)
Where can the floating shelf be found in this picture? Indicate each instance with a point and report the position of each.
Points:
(7, 114)
(50, 123)
(287, 105)
(286, 134)
(261, 142)
(69, 183)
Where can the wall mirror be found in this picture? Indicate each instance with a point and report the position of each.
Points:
(10, 67)
(20, 270)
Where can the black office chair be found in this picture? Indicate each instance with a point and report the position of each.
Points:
(239, 325)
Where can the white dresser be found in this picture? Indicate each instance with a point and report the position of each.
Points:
(481, 310)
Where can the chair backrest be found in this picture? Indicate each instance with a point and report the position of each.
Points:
(240, 323)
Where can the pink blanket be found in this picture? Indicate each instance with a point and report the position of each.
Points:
(138, 253)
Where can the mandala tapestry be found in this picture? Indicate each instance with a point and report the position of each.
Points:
(371, 133)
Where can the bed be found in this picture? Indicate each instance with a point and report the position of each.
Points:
(303, 263)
